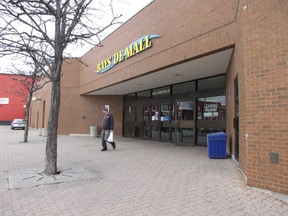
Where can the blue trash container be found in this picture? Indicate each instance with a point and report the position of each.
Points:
(216, 145)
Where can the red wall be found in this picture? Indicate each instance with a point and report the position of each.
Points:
(15, 109)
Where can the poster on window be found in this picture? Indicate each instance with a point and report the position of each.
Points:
(211, 109)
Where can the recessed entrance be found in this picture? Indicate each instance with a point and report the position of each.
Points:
(182, 114)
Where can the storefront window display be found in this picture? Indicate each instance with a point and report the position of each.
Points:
(182, 113)
(210, 112)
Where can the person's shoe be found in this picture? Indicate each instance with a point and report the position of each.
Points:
(113, 145)
(104, 149)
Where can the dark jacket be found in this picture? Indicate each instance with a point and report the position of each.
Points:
(108, 122)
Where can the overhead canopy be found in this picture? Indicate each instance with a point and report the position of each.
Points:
(206, 66)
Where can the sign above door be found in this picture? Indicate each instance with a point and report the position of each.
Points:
(134, 48)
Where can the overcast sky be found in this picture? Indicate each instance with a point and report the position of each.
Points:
(127, 8)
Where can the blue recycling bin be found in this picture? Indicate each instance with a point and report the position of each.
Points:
(216, 145)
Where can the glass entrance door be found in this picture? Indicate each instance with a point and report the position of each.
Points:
(157, 121)
(185, 124)
(130, 115)
(166, 117)
(146, 124)
(151, 122)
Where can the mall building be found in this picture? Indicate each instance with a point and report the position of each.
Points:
(180, 70)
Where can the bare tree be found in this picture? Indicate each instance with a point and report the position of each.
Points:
(28, 81)
(27, 85)
(45, 28)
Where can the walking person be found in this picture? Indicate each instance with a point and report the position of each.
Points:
(107, 128)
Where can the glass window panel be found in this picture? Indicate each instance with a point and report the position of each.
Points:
(144, 94)
(184, 88)
(165, 117)
(129, 113)
(203, 132)
(211, 108)
(211, 83)
(165, 112)
(154, 113)
(185, 110)
(161, 92)
(130, 97)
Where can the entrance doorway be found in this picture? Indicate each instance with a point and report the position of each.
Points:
(156, 120)
(183, 114)
(185, 122)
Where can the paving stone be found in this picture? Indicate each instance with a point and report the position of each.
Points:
(139, 177)
(35, 177)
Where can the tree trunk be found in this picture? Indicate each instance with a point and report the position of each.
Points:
(27, 114)
(51, 142)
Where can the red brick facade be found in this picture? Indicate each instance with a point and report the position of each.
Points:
(265, 93)
(13, 92)
(257, 31)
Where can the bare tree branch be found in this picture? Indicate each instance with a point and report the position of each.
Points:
(39, 32)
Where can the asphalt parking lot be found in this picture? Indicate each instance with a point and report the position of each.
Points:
(137, 178)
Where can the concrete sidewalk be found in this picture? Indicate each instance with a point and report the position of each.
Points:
(137, 178)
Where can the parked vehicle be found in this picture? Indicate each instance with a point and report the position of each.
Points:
(18, 123)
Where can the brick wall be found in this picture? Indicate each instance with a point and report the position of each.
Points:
(12, 88)
(40, 108)
(258, 32)
(77, 113)
(264, 92)
(186, 32)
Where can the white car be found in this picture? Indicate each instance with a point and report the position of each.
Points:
(18, 123)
